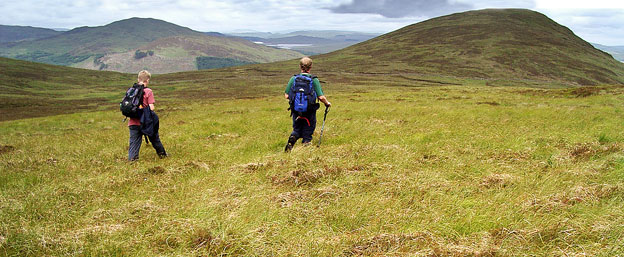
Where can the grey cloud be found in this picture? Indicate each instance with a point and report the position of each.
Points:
(402, 8)
(603, 26)
(482, 4)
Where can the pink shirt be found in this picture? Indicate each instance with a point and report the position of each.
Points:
(148, 98)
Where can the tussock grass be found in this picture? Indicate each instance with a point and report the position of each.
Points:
(418, 171)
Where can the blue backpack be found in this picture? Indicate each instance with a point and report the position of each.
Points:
(302, 95)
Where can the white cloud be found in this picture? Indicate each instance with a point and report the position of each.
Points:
(603, 26)
(579, 4)
(595, 25)
(483, 4)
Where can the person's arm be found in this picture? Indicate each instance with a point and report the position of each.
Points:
(290, 82)
(150, 99)
(319, 92)
(324, 100)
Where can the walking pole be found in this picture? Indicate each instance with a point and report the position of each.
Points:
(323, 128)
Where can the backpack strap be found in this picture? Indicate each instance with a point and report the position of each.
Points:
(142, 95)
(312, 91)
(304, 118)
(292, 87)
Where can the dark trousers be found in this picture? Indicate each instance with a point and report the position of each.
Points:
(135, 143)
(304, 126)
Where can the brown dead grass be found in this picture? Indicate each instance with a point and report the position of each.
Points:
(541, 236)
(586, 91)
(165, 243)
(206, 244)
(287, 199)
(251, 167)
(489, 103)
(425, 244)
(197, 165)
(507, 156)
(42, 107)
(584, 151)
(156, 170)
(575, 195)
(6, 148)
(303, 177)
(497, 181)
(201, 238)
(384, 243)
(453, 98)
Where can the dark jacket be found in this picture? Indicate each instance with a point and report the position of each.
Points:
(149, 122)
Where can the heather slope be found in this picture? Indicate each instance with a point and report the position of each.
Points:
(510, 44)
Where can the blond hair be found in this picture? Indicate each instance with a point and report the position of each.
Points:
(305, 63)
(144, 76)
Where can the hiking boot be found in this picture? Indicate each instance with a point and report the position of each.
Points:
(163, 155)
(291, 142)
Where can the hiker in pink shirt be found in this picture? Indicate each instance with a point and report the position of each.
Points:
(134, 124)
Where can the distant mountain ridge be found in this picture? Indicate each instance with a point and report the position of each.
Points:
(310, 42)
(616, 51)
(88, 47)
(24, 33)
(507, 44)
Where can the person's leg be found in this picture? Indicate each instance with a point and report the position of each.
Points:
(135, 143)
(294, 136)
(158, 146)
(308, 129)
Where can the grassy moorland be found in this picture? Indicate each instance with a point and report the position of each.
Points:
(408, 166)
(411, 164)
(33, 90)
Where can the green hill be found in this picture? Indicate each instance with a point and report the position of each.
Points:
(85, 46)
(22, 33)
(81, 43)
(507, 44)
(30, 89)
(187, 53)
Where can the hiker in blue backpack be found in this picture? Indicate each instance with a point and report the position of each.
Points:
(302, 92)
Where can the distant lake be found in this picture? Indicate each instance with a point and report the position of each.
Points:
(284, 46)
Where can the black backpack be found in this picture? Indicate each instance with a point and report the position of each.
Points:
(302, 95)
(132, 104)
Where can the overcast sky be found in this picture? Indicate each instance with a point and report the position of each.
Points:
(597, 21)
